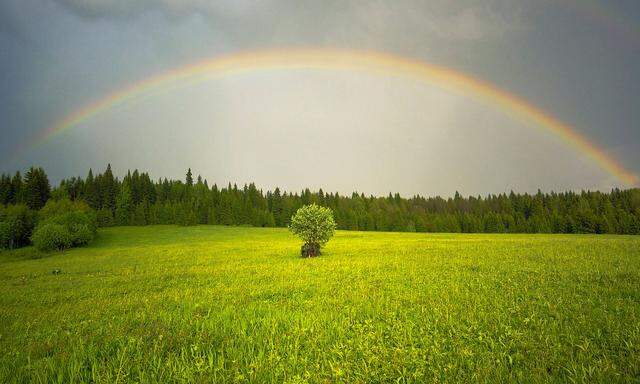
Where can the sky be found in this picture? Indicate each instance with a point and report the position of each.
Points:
(342, 130)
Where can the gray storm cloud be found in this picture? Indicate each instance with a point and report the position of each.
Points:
(352, 21)
(374, 134)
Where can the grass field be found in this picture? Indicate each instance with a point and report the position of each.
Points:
(222, 304)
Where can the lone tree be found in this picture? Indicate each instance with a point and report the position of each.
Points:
(314, 225)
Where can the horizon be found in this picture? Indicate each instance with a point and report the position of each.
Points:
(119, 176)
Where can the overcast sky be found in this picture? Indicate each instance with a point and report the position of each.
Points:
(341, 130)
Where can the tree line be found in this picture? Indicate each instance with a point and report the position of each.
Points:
(136, 199)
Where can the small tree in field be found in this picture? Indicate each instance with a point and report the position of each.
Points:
(314, 225)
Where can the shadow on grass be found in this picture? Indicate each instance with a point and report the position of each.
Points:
(25, 253)
(31, 253)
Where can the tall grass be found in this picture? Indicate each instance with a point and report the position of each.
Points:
(221, 304)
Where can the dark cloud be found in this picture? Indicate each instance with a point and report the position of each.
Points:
(108, 9)
(559, 60)
(10, 25)
(381, 20)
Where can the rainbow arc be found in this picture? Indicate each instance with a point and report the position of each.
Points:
(372, 62)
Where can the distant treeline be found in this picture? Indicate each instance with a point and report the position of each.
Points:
(137, 200)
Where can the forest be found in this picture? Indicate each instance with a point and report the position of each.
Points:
(136, 199)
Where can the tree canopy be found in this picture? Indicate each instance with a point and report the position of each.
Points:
(136, 199)
(314, 225)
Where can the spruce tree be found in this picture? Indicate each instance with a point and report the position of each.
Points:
(16, 192)
(5, 189)
(109, 189)
(124, 205)
(91, 191)
(189, 178)
(36, 188)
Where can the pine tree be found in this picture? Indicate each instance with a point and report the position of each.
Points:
(277, 208)
(124, 205)
(211, 216)
(225, 213)
(90, 194)
(5, 189)
(109, 189)
(140, 215)
(136, 187)
(16, 192)
(105, 217)
(189, 178)
(36, 188)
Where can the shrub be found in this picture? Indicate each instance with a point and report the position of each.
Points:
(82, 235)
(49, 237)
(315, 226)
(79, 222)
(6, 235)
(72, 220)
(60, 207)
(18, 222)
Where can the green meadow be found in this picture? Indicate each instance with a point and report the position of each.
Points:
(231, 304)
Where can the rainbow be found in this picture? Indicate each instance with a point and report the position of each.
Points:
(331, 59)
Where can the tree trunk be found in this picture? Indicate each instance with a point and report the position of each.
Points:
(310, 250)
